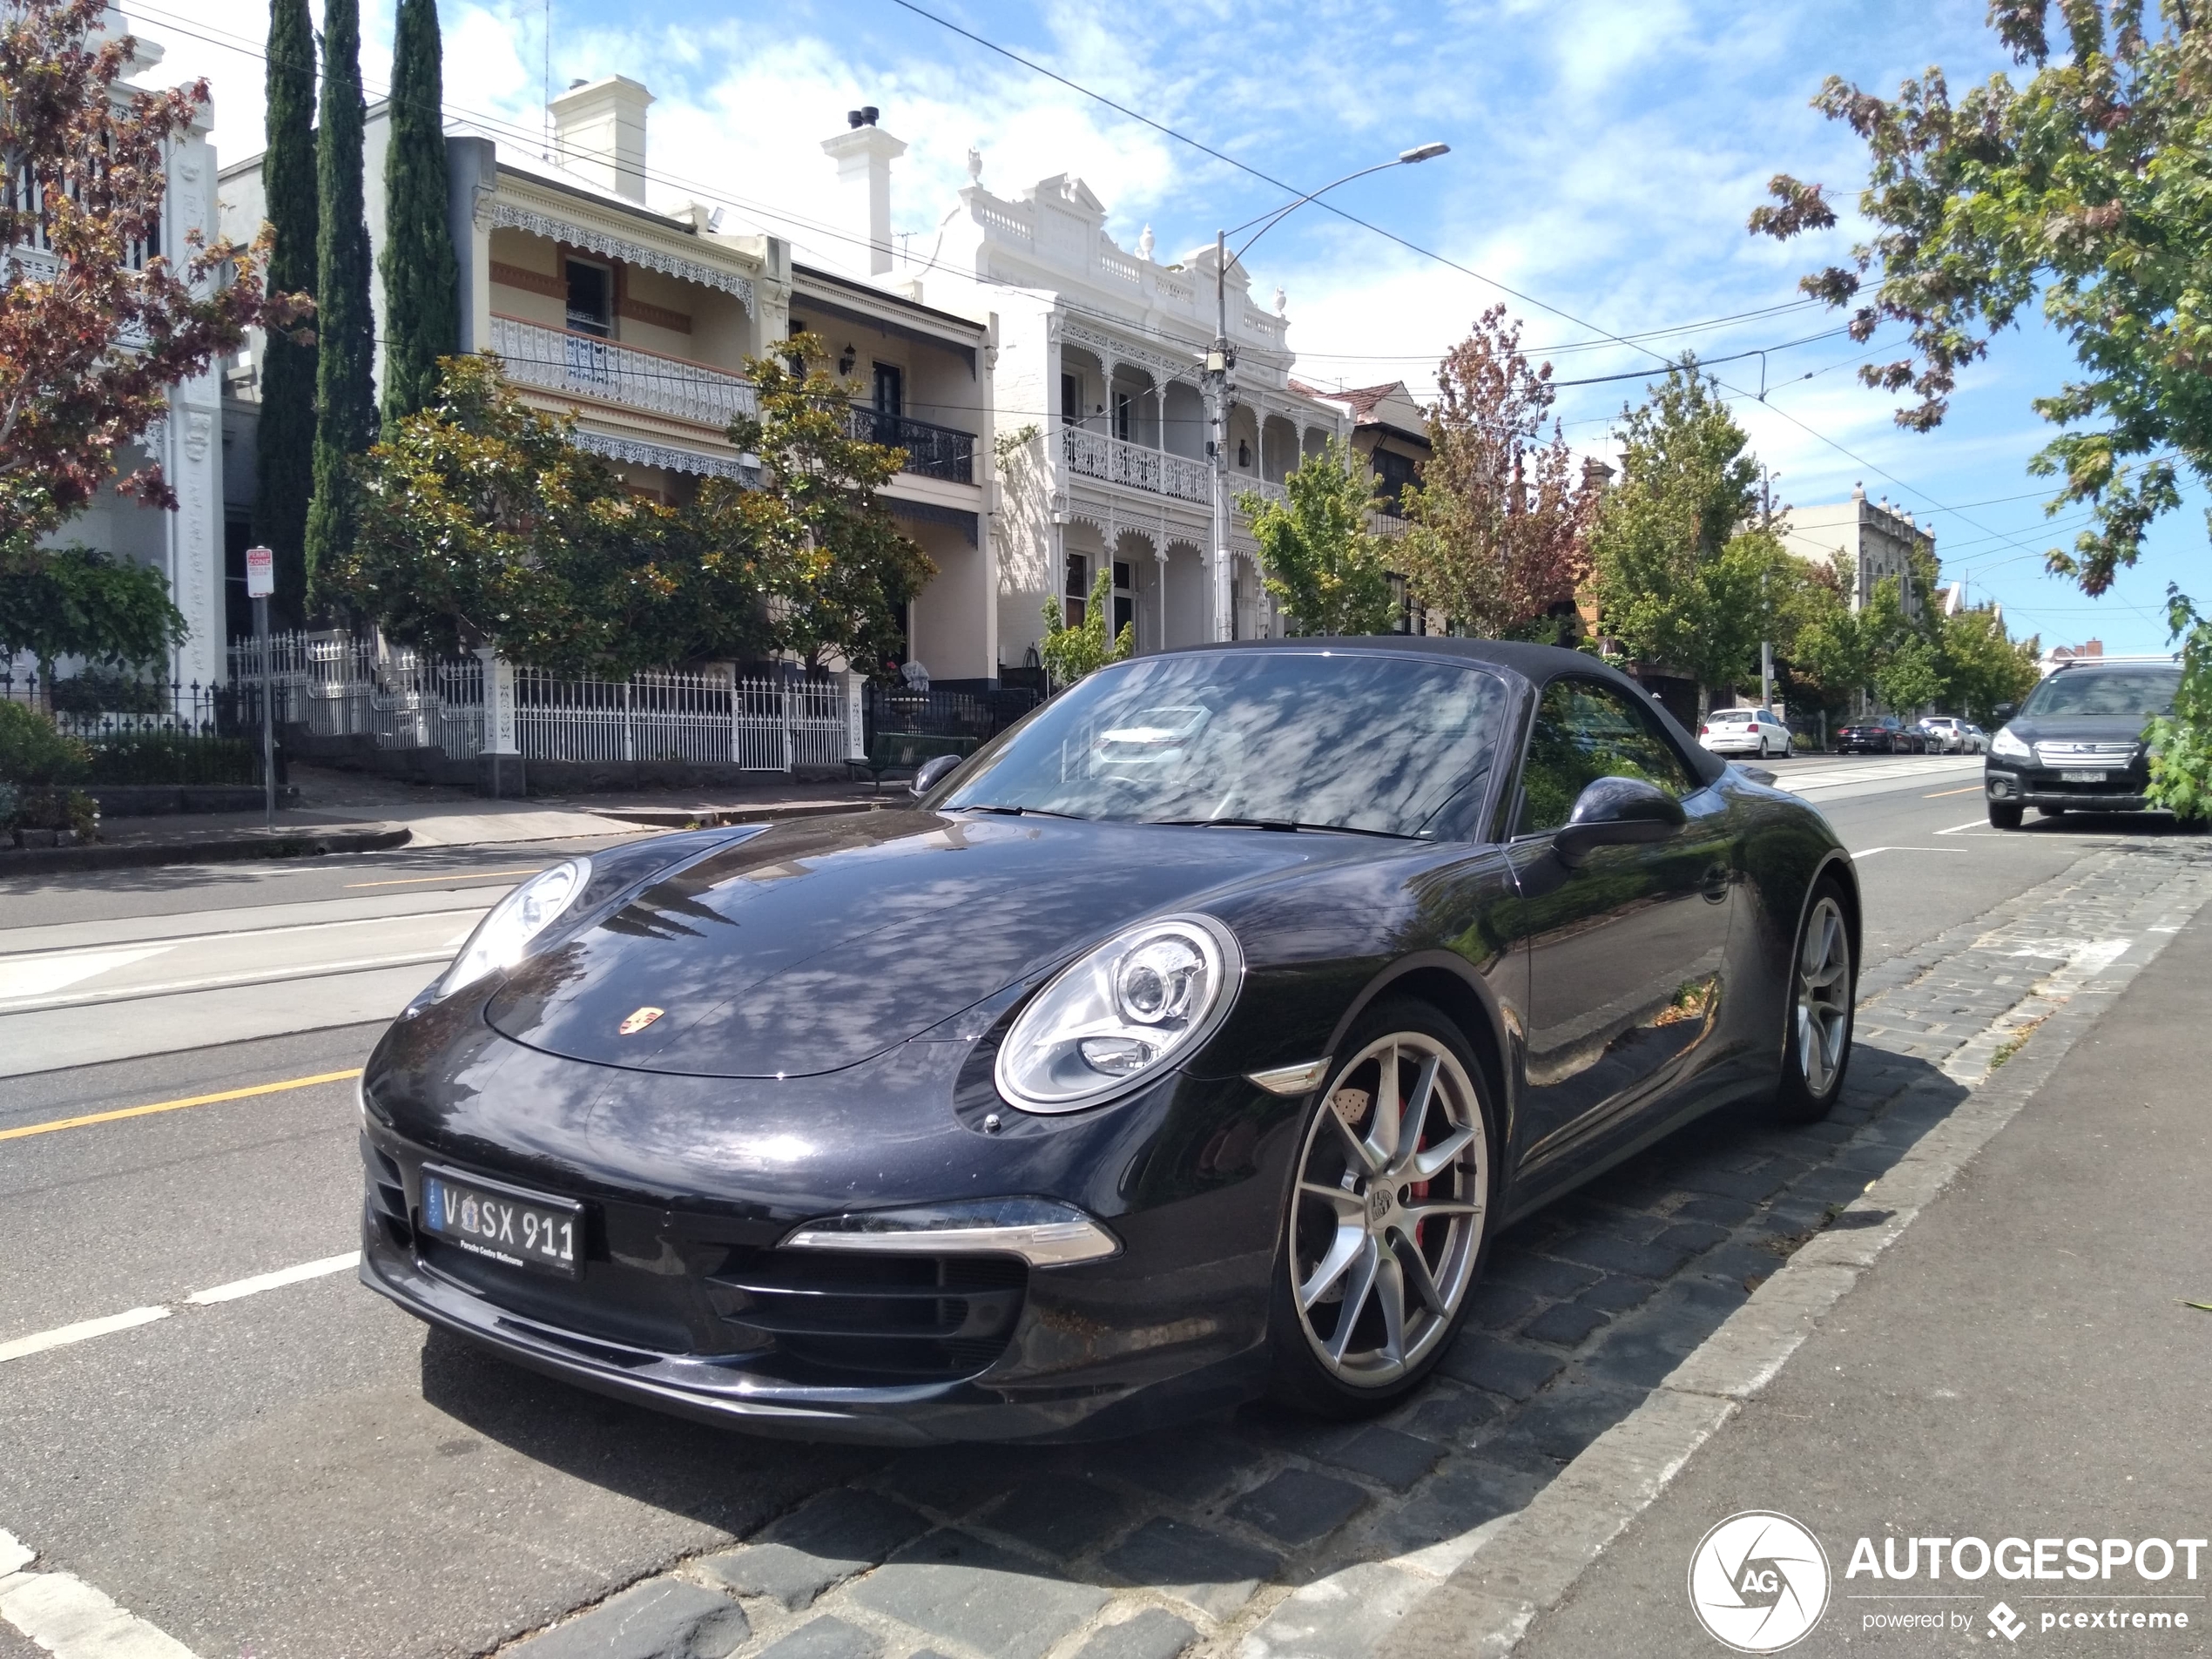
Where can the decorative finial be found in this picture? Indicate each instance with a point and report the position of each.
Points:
(1281, 300)
(1144, 244)
(975, 166)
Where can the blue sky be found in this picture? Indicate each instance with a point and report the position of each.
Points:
(1605, 153)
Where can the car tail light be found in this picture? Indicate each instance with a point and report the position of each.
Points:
(1704, 731)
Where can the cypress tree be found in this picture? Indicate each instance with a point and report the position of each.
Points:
(345, 331)
(284, 438)
(422, 282)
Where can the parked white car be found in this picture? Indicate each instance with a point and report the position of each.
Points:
(1948, 734)
(1745, 732)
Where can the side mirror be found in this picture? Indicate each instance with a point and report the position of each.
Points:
(2005, 711)
(1617, 811)
(931, 772)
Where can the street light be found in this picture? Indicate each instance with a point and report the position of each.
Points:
(1221, 363)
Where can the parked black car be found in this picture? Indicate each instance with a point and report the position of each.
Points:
(2077, 743)
(1879, 734)
(1191, 1040)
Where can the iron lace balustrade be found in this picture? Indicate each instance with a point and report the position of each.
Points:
(933, 451)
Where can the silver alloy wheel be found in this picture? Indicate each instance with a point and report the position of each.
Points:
(1824, 996)
(1386, 1222)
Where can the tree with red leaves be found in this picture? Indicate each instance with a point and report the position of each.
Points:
(1499, 541)
(95, 322)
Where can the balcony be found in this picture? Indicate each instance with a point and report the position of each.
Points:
(552, 360)
(933, 451)
(1114, 461)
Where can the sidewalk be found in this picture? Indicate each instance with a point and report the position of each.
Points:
(342, 812)
(2020, 1363)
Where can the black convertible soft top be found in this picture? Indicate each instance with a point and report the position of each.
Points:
(1538, 665)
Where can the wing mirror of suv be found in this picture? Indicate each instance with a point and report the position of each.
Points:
(2005, 711)
(1617, 811)
(931, 772)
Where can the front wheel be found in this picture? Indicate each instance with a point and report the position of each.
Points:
(2004, 814)
(1389, 1217)
(1823, 985)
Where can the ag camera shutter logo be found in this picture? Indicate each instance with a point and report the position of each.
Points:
(1759, 1582)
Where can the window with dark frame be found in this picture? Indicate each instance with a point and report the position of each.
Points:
(1071, 400)
(1124, 412)
(1078, 596)
(1124, 595)
(592, 299)
(890, 389)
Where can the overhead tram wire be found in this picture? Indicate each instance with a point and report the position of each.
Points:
(1392, 236)
(500, 127)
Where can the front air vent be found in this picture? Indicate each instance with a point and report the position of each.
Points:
(387, 1194)
(873, 1319)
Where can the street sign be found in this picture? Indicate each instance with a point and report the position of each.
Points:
(261, 572)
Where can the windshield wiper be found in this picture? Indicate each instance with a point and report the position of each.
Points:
(1284, 824)
(1017, 812)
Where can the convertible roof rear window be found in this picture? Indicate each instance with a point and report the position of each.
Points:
(1320, 739)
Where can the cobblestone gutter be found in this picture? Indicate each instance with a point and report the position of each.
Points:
(1613, 1335)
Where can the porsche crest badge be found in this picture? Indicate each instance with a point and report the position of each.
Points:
(638, 1021)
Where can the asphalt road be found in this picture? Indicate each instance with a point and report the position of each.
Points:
(298, 1469)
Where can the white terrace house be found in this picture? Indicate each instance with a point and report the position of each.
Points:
(185, 546)
(1098, 356)
(638, 318)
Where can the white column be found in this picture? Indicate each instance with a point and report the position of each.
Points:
(856, 737)
(499, 702)
(191, 449)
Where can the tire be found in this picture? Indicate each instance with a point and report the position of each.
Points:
(2004, 814)
(1353, 1225)
(1824, 997)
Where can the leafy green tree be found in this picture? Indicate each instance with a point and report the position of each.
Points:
(484, 523)
(1498, 539)
(2087, 190)
(1678, 549)
(422, 282)
(284, 437)
(345, 333)
(1070, 653)
(1317, 555)
(840, 572)
(76, 602)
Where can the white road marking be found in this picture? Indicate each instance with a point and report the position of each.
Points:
(1871, 851)
(85, 1329)
(42, 975)
(69, 1619)
(1972, 823)
(214, 981)
(277, 1280)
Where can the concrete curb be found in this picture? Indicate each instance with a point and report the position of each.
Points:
(1493, 1598)
(129, 855)
(677, 817)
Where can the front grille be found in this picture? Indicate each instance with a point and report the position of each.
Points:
(387, 1194)
(878, 1318)
(2112, 755)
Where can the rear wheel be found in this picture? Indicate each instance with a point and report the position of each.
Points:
(2004, 814)
(1389, 1217)
(1824, 988)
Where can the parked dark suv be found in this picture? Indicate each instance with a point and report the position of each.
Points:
(2077, 743)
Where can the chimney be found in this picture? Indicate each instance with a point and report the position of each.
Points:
(864, 153)
(599, 134)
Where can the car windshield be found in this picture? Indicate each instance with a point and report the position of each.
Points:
(2137, 693)
(1320, 738)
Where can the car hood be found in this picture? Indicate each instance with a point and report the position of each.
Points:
(2081, 728)
(818, 942)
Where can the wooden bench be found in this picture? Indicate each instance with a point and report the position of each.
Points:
(906, 752)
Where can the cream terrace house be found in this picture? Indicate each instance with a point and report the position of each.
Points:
(1103, 463)
(637, 319)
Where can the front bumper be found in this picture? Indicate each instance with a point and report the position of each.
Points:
(2032, 785)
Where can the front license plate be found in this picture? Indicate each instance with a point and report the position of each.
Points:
(2082, 776)
(486, 1218)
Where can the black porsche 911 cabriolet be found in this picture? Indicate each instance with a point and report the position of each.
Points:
(1189, 1041)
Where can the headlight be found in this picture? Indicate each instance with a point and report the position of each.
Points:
(502, 938)
(1120, 1012)
(2011, 747)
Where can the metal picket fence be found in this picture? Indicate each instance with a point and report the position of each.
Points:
(338, 684)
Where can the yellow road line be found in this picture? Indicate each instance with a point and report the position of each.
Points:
(466, 875)
(178, 1105)
(1969, 790)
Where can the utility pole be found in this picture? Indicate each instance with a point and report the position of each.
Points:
(1220, 374)
(1766, 618)
(1220, 379)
